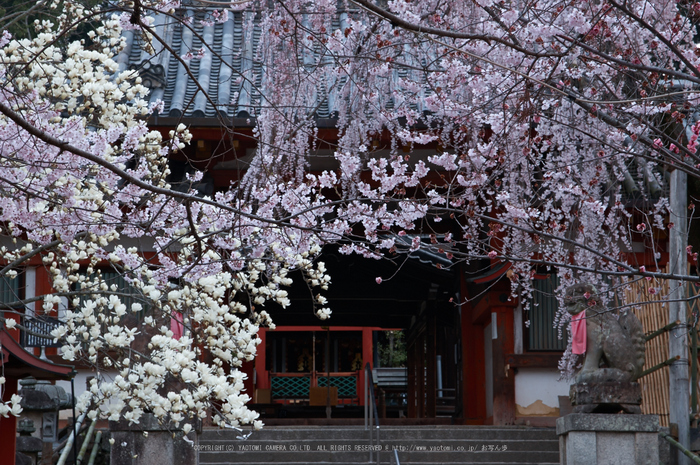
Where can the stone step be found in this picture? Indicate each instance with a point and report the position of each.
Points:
(403, 444)
(387, 461)
(407, 433)
(416, 445)
(462, 457)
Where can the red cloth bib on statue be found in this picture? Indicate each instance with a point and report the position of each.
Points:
(578, 333)
(176, 325)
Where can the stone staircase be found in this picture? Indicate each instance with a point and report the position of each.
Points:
(428, 445)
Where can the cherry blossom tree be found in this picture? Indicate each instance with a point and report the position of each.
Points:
(83, 186)
(554, 128)
(551, 127)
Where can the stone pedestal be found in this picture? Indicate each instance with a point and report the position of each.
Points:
(608, 439)
(164, 444)
(610, 397)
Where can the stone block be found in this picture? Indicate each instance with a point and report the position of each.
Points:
(606, 422)
(148, 422)
(665, 450)
(37, 400)
(577, 448)
(164, 444)
(615, 448)
(610, 397)
(565, 406)
(605, 439)
(29, 444)
(22, 459)
(159, 448)
(49, 427)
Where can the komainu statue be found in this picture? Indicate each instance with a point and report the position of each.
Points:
(613, 344)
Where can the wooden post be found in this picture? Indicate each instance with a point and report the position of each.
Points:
(420, 362)
(678, 340)
(473, 368)
(431, 361)
(694, 373)
(412, 376)
(503, 376)
(366, 358)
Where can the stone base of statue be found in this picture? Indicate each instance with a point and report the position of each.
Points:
(605, 439)
(610, 397)
(164, 444)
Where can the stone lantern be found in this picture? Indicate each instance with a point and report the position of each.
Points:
(41, 402)
(28, 446)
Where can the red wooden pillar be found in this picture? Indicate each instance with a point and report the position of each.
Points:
(430, 369)
(262, 380)
(417, 375)
(367, 353)
(8, 427)
(503, 374)
(473, 366)
(42, 287)
(367, 357)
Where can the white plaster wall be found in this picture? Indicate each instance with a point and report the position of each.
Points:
(30, 288)
(533, 384)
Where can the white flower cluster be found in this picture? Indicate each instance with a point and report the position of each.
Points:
(175, 323)
(524, 167)
(11, 407)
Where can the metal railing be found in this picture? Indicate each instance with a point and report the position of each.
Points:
(371, 416)
(395, 458)
(37, 331)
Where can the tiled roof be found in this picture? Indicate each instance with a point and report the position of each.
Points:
(231, 56)
(170, 81)
(234, 80)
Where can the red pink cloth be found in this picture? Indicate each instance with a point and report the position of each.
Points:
(578, 333)
(176, 325)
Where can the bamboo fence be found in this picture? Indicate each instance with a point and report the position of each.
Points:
(653, 314)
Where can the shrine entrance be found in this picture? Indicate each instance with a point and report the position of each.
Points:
(301, 363)
(305, 351)
(299, 360)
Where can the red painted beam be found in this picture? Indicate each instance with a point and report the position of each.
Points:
(21, 364)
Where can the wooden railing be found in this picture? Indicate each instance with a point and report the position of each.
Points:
(287, 386)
